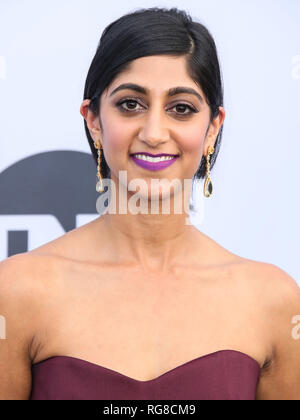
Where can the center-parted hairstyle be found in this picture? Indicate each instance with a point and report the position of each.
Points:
(155, 31)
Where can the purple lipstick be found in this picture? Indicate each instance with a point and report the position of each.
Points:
(154, 166)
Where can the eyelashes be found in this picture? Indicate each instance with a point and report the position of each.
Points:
(119, 105)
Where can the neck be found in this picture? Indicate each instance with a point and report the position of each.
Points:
(154, 242)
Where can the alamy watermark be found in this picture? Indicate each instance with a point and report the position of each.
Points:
(296, 329)
(2, 328)
(141, 203)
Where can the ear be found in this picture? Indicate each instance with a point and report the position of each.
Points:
(213, 130)
(92, 121)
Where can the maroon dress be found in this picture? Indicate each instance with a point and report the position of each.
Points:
(222, 375)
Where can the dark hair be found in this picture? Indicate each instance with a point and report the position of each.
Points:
(155, 31)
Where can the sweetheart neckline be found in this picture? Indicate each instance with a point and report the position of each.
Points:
(158, 377)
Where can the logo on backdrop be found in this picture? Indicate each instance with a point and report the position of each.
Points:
(44, 196)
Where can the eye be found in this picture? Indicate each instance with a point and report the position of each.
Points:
(181, 105)
(131, 103)
(127, 101)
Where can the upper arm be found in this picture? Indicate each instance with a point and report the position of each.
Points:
(281, 381)
(17, 326)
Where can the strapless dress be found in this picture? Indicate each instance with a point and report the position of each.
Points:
(222, 375)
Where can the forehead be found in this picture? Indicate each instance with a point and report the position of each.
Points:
(157, 73)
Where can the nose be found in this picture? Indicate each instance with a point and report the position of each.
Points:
(154, 130)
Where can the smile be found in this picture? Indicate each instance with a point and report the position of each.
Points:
(153, 163)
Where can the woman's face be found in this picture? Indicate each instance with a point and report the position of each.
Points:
(154, 122)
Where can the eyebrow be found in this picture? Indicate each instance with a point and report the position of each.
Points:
(170, 92)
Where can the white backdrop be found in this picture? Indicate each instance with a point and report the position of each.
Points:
(45, 51)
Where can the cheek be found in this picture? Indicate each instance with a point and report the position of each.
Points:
(113, 140)
(192, 139)
(116, 137)
(192, 144)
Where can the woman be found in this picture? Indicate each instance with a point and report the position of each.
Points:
(138, 305)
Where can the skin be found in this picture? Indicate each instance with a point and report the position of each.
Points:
(168, 292)
(152, 241)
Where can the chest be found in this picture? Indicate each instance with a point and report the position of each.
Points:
(148, 324)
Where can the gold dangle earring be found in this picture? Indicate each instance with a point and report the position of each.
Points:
(208, 188)
(99, 185)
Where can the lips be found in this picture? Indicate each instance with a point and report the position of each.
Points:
(151, 155)
(154, 166)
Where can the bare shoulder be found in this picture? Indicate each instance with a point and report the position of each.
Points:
(275, 296)
(18, 285)
(270, 281)
(279, 298)
(24, 263)
(212, 253)
(26, 275)
(75, 245)
(19, 308)
(277, 293)
(276, 286)
(25, 282)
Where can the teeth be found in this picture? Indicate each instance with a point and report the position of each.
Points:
(152, 159)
